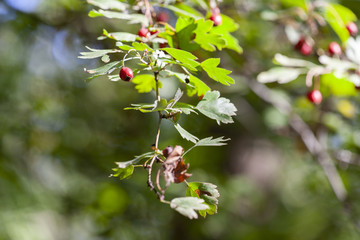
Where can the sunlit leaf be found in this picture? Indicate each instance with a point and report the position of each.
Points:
(148, 108)
(206, 191)
(109, 4)
(96, 53)
(216, 73)
(209, 141)
(338, 16)
(280, 75)
(185, 134)
(132, 18)
(295, 3)
(292, 62)
(184, 57)
(188, 206)
(182, 9)
(107, 68)
(216, 107)
(353, 50)
(123, 173)
(135, 160)
(145, 83)
(121, 36)
(206, 39)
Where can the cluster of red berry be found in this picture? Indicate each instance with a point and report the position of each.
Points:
(126, 74)
(334, 49)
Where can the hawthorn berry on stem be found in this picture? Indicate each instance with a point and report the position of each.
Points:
(315, 96)
(352, 28)
(126, 74)
(334, 48)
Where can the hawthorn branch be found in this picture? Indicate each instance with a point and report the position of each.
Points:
(159, 193)
(316, 148)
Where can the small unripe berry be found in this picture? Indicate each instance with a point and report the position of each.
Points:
(162, 17)
(334, 48)
(314, 96)
(143, 32)
(167, 151)
(216, 18)
(306, 49)
(126, 74)
(352, 28)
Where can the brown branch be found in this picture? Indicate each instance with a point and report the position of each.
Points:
(314, 146)
(160, 193)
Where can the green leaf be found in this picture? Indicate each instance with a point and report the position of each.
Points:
(295, 3)
(216, 107)
(121, 36)
(209, 141)
(280, 75)
(352, 50)
(135, 160)
(206, 191)
(337, 86)
(141, 46)
(107, 68)
(185, 28)
(206, 39)
(145, 83)
(184, 107)
(114, 78)
(184, 57)
(123, 173)
(292, 62)
(109, 4)
(132, 18)
(197, 86)
(338, 16)
(183, 10)
(96, 53)
(147, 108)
(218, 74)
(187, 206)
(228, 25)
(185, 134)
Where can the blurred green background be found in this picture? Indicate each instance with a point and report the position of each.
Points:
(60, 137)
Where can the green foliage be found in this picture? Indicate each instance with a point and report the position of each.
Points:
(145, 83)
(338, 16)
(188, 205)
(216, 73)
(216, 107)
(206, 191)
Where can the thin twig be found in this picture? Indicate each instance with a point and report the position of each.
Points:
(309, 139)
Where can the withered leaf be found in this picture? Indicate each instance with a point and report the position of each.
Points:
(175, 167)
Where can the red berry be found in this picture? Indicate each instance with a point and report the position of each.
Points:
(300, 43)
(315, 96)
(352, 28)
(154, 32)
(216, 18)
(167, 151)
(126, 74)
(334, 48)
(162, 17)
(306, 49)
(143, 32)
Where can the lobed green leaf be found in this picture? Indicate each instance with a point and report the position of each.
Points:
(218, 74)
(188, 206)
(216, 107)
